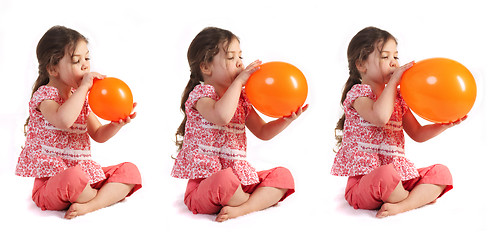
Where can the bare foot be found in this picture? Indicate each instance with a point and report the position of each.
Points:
(389, 209)
(77, 209)
(229, 212)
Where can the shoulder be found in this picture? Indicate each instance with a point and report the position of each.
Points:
(358, 90)
(44, 93)
(201, 91)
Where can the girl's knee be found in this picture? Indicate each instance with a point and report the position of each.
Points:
(226, 175)
(385, 175)
(440, 169)
(129, 169)
(282, 179)
(373, 189)
(57, 192)
(283, 173)
(209, 195)
(73, 176)
(437, 174)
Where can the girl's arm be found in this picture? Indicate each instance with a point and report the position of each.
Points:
(63, 116)
(222, 111)
(266, 131)
(424, 133)
(378, 112)
(101, 133)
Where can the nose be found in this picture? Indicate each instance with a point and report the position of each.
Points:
(239, 63)
(85, 64)
(394, 63)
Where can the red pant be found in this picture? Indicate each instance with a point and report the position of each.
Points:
(209, 195)
(370, 191)
(60, 191)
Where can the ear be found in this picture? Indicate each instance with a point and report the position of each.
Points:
(206, 69)
(361, 66)
(52, 70)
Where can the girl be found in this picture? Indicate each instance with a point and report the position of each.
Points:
(372, 141)
(212, 153)
(57, 149)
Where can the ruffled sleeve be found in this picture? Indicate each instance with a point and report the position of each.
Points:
(358, 90)
(200, 91)
(43, 93)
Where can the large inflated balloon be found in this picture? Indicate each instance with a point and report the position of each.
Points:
(440, 90)
(277, 89)
(111, 99)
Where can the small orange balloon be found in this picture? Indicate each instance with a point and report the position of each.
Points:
(277, 89)
(111, 99)
(440, 90)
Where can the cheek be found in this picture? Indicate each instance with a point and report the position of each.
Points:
(76, 69)
(227, 68)
(383, 66)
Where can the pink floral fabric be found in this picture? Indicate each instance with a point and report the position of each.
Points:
(49, 150)
(208, 148)
(365, 146)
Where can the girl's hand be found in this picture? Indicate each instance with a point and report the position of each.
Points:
(266, 131)
(457, 122)
(246, 73)
(102, 133)
(397, 74)
(127, 120)
(296, 114)
(88, 79)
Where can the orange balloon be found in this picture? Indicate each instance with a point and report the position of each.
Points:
(440, 90)
(111, 99)
(277, 89)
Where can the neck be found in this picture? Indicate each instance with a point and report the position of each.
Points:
(63, 89)
(220, 90)
(377, 88)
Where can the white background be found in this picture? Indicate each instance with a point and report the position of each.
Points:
(144, 43)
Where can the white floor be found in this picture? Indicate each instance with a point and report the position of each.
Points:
(316, 211)
(145, 44)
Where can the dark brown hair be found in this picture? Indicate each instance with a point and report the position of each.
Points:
(359, 48)
(51, 48)
(201, 50)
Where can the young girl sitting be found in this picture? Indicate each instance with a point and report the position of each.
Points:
(57, 148)
(372, 141)
(212, 153)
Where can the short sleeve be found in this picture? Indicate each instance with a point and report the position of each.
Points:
(200, 91)
(358, 90)
(43, 93)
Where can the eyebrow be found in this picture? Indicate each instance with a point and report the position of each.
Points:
(396, 52)
(78, 55)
